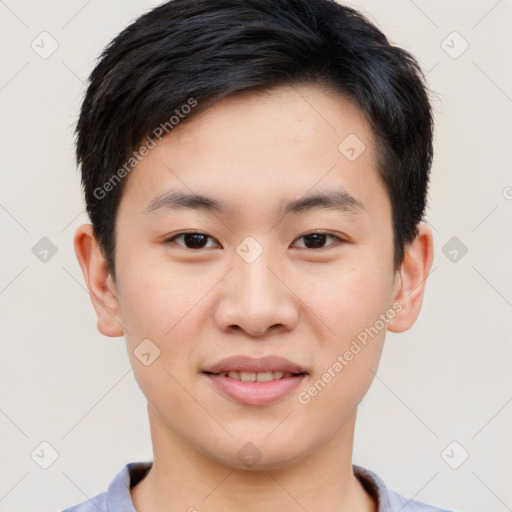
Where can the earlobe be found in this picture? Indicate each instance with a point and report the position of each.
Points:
(101, 286)
(411, 279)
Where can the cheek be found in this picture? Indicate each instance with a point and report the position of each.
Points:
(347, 299)
(154, 297)
(350, 351)
(161, 306)
(169, 306)
(350, 303)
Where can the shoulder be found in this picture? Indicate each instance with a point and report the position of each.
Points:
(388, 500)
(117, 497)
(96, 504)
(407, 505)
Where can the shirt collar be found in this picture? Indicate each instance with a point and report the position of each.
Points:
(119, 498)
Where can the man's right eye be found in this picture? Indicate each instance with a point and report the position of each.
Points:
(191, 240)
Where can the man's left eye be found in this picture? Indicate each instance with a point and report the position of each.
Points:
(318, 240)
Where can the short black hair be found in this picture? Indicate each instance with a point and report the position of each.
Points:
(183, 56)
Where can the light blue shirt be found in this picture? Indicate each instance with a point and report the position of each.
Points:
(118, 499)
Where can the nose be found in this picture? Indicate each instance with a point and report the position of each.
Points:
(255, 298)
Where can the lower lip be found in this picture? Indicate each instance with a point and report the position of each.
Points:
(255, 393)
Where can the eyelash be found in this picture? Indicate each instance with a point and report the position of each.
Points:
(173, 238)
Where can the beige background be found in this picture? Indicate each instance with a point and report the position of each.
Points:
(447, 379)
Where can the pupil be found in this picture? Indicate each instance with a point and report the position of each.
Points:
(195, 240)
(317, 238)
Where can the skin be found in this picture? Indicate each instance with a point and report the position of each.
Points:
(253, 151)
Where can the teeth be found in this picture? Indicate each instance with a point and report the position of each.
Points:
(256, 377)
(264, 376)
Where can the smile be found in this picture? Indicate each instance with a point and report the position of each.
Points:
(257, 377)
(255, 389)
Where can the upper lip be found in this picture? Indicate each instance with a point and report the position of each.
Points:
(255, 365)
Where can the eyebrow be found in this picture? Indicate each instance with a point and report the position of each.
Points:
(329, 200)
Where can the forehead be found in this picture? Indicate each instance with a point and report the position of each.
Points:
(306, 117)
(262, 147)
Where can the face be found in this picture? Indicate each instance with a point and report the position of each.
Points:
(267, 273)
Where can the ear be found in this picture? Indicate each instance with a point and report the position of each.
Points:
(100, 284)
(410, 280)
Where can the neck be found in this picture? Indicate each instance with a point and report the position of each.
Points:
(181, 478)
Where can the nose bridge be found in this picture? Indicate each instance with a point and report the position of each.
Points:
(256, 286)
(254, 298)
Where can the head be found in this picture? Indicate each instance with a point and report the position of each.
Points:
(308, 138)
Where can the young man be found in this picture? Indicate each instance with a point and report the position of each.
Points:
(256, 173)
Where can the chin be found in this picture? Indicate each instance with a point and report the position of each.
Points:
(259, 454)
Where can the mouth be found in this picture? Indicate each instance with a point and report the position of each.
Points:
(257, 376)
(251, 381)
(248, 367)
